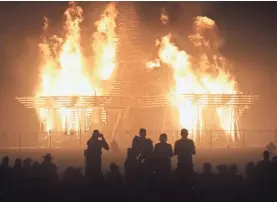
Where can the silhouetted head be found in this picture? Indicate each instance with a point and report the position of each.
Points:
(207, 168)
(233, 169)
(17, 163)
(95, 133)
(250, 168)
(114, 167)
(266, 155)
(163, 137)
(5, 161)
(27, 162)
(184, 133)
(142, 132)
(48, 157)
(223, 169)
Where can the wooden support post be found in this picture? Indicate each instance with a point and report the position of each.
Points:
(19, 142)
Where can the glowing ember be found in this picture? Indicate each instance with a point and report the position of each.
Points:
(164, 16)
(204, 74)
(63, 72)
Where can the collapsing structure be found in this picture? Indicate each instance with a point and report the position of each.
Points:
(138, 98)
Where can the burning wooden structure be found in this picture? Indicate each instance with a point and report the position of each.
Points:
(112, 113)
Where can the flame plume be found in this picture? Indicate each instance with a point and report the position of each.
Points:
(207, 76)
(105, 43)
(63, 64)
(63, 67)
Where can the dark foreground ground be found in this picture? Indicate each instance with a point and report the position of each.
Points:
(66, 157)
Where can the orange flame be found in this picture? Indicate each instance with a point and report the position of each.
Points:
(209, 78)
(105, 42)
(63, 69)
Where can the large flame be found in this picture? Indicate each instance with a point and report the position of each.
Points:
(207, 76)
(63, 64)
(105, 43)
(63, 72)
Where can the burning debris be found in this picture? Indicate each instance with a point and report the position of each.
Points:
(164, 16)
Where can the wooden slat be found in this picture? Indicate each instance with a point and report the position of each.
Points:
(140, 101)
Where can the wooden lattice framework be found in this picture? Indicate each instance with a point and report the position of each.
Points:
(128, 101)
(119, 104)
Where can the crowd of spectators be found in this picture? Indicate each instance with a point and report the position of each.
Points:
(147, 177)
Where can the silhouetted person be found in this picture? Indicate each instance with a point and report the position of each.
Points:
(142, 149)
(184, 149)
(36, 171)
(222, 176)
(69, 172)
(250, 171)
(264, 164)
(130, 166)
(69, 175)
(206, 180)
(114, 177)
(233, 170)
(236, 179)
(17, 170)
(5, 174)
(207, 176)
(17, 163)
(264, 174)
(141, 146)
(93, 154)
(5, 169)
(162, 154)
(250, 179)
(27, 166)
(5, 162)
(48, 168)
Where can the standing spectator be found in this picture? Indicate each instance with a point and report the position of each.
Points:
(93, 154)
(184, 149)
(162, 157)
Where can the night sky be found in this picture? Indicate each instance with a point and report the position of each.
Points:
(249, 30)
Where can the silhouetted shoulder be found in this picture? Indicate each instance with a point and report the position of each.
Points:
(149, 140)
(191, 141)
(178, 141)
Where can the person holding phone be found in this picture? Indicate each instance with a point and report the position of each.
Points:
(93, 154)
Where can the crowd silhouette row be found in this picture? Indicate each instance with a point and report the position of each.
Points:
(148, 176)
